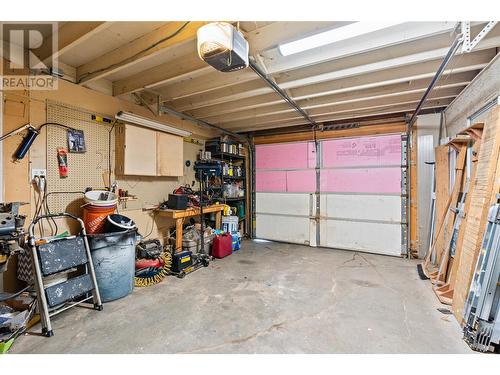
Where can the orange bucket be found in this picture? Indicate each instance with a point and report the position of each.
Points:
(94, 217)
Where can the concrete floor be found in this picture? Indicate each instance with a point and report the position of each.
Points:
(268, 298)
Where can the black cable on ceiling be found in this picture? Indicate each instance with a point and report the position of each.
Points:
(174, 34)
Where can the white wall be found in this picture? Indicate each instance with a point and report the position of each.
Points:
(427, 139)
(484, 87)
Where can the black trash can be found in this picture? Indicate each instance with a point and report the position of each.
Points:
(118, 223)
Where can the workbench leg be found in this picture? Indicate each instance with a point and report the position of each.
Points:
(178, 235)
(218, 219)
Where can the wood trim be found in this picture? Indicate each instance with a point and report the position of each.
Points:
(330, 134)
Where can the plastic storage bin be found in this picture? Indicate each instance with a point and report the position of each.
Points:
(230, 224)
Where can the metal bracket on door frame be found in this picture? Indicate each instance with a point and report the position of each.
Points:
(405, 199)
(318, 192)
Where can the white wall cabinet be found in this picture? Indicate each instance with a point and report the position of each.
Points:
(145, 152)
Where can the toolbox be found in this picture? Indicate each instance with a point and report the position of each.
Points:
(181, 261)
(222, 245)
(177, 201)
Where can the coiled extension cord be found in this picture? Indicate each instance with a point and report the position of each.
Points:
(154, 276)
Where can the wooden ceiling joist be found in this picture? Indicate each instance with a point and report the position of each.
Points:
(215, 80)
(355, 98)
(160, 75)
(376, 73)
(350, 115)
(397, 34)
(376, 102)
(138, 50)
(473, 61)
(70, 35)
(192, 66)
(271, 101)
(353, 64)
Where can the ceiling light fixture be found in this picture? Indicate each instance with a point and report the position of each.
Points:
(331, 36)
(151, 124)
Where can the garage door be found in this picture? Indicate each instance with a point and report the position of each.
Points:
(345, 194)
(285, 192)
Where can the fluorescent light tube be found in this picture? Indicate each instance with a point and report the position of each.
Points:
(331, 36)
(151, 124)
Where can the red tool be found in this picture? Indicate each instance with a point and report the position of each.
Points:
(62, 160)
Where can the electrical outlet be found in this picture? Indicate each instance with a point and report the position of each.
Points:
(36, 172)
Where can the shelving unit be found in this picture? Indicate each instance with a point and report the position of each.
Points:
(234, 199)
(235, 161)
(227, 156)
(233, 177)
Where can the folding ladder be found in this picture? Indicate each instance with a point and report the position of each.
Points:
(58, 256)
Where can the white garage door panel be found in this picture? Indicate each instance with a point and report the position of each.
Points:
(363, 207)
(283, 203)
(362, 236)
(283, 228)
(345, 193)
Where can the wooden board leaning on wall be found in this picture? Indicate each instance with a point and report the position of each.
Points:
(445, 291)
(485, 188)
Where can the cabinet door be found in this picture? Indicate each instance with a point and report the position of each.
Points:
(139, 151)
(170, 155)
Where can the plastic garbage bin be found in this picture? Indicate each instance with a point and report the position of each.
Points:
(113, 255)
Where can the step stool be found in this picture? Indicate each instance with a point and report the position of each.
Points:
(59, 256)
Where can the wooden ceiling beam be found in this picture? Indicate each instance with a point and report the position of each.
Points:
(188, 68)
(397, 34)
(271, 35)
(401, 55)
(248, 108)
(350, 117)
(137, 50)
(161, 75)
(443, 92)
(205, 83)
(409, 54)
(368, 108)
(70, 35)
(254, 89)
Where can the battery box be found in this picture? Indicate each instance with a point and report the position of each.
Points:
(181, 261)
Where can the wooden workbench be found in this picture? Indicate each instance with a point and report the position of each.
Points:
(180, 215)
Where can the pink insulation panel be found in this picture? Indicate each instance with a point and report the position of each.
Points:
(362, 151)
(272, 181)
(285, 156)
(361, 180)
(300, 181)
(303, 181)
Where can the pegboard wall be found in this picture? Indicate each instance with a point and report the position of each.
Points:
(88, 169)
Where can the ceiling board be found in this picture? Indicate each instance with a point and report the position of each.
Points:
(114, 36)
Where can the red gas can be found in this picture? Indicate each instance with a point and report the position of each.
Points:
(222, 245)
